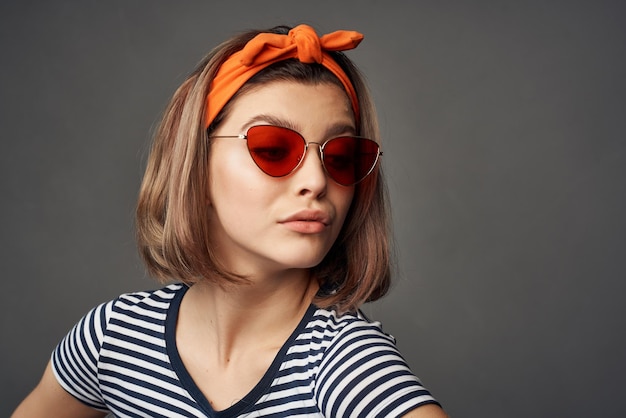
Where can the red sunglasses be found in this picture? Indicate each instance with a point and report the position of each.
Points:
(278, 151)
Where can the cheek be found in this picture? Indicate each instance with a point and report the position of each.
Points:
(236, 185)
(342, 198)
(227, 170)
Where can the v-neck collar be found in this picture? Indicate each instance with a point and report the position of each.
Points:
(190, 386)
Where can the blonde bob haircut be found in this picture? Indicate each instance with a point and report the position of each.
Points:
(171, 218)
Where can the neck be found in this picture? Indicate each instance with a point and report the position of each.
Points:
(260, 314)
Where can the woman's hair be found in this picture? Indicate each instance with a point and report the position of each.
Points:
(172, 222)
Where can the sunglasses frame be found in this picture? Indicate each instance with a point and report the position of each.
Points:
(320, 147)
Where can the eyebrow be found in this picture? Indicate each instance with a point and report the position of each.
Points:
(331, 131)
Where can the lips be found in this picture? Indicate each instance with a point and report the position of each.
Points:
(309, 216)
(307, 221)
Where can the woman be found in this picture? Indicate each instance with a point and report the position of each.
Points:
(263, 199)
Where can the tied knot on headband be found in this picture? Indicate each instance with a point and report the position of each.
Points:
(302, 43)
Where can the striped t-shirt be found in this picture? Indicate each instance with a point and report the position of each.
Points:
(121, 357)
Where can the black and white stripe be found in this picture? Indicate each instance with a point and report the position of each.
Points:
(122, 357)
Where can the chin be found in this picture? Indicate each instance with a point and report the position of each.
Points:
(301, 263)
(302, 256)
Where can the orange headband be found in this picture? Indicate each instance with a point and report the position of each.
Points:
(267, 48)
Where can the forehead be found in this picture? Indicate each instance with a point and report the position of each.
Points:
(301, 104)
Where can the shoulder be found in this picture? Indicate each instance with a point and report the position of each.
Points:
(347, 341)
(351, 328)
(147, 306)
(148, 302)
(147, 313)
(133, 322)
(362, 370)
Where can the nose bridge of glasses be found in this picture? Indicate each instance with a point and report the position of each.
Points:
(320, 148)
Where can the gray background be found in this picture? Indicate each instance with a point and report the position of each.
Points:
(504, 144)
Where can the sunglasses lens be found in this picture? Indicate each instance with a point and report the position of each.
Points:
(278, 151)
(275, 150)
(348, 160)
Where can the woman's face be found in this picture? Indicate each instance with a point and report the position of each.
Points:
(263, 224)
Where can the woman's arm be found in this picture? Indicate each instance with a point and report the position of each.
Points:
(426, 411)
(50, 400)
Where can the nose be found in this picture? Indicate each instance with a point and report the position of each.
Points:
(310, 178)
